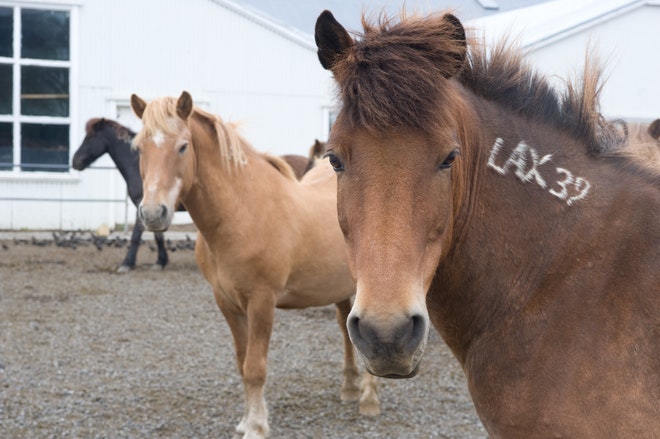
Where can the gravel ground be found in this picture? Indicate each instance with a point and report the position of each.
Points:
(86, 353)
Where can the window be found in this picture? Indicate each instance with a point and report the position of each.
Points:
(35, 67)
(329, 116)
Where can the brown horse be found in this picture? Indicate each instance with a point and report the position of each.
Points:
(474, 196)
(264, 240)
(316, 154)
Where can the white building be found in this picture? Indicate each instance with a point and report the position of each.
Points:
(65, 61)
(624, 34)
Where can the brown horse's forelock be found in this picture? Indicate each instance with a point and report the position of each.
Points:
(395, 77)
(392, 78)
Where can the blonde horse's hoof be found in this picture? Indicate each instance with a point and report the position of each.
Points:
(350, 395)
(370, 408)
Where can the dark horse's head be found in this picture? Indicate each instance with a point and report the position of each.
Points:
(100, 135)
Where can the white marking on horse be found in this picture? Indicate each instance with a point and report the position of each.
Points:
(529, 171)
(173, 193)
(153, 186)
(579, 184)
(158, 138)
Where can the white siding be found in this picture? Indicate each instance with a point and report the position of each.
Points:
(244, 70)
(623, 33)
(232, 62)
(628, 46)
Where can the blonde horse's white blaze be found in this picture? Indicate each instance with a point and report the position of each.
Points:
(265, 239)
(158, 138)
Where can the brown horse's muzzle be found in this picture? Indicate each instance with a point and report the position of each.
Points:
(392, 348)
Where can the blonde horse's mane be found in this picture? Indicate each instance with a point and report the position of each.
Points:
(161, 115)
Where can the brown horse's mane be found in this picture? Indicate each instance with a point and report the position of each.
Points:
(395, 78)
(123, 133)
(232, 146)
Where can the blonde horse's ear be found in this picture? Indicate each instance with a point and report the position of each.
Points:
(184, 105)
(138, 105)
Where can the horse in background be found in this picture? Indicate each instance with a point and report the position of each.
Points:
(108, 136)
(265, 239)
(474, 196)
(644, 145)
(316, 153)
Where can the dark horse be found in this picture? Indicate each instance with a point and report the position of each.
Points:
(474, 196)
(108, 136)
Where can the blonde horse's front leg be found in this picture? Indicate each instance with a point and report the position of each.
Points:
(237, 322)
(350, 389)
(260, 316)
(367, 391)
(369, 402)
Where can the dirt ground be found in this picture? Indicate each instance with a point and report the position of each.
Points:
(87, 353)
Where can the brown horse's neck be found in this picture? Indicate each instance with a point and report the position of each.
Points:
(529, 199)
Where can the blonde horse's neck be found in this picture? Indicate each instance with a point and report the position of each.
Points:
(232, 180)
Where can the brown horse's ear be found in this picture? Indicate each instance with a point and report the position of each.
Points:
(459, 50)
(184, 105)
(654, 129)
(138, 105)
(332, 40)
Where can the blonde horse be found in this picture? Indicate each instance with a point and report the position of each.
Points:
(265, 239)
(644, 144)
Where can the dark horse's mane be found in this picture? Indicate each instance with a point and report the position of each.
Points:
(395, 79)
(122, 132)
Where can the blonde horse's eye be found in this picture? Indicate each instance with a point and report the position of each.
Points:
(183, 148)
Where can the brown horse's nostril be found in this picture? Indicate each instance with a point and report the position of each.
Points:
(355, 332)
(417, 332)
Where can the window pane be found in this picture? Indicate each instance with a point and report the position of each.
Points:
(44, 91)
(45, 34)
(6, 149)
(44, 145)
(6, 31)
(6, 78)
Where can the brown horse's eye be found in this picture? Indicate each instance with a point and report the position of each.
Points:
(449, 160)
(335, 162)
(183, 148)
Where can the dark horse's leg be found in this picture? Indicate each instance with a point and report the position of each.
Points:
(162, 251)
(136, 237)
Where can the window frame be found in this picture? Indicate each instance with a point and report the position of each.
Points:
(72, 64)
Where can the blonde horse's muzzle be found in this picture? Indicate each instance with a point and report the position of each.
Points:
(155, 217)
